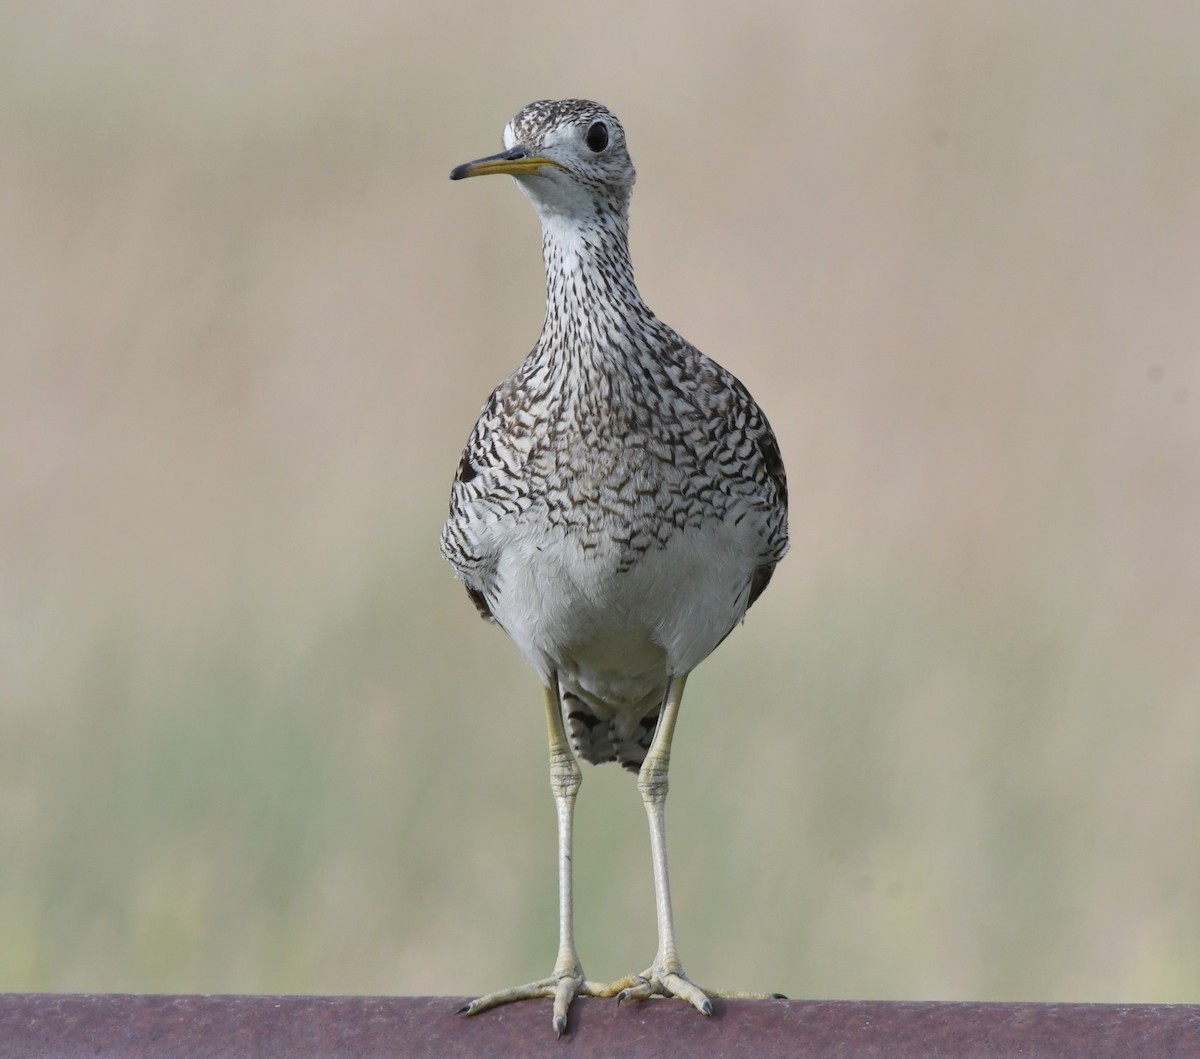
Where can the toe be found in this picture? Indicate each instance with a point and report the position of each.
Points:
(681, 987)
(640, 988)
(563, 995)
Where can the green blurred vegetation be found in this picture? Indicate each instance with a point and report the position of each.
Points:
(252, 735)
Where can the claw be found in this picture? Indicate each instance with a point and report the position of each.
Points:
(676, 984)
(643, 989)
(564, 985)
(567, 990)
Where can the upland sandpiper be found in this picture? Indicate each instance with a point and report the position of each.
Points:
(619, 506)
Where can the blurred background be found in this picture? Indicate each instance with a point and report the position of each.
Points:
(253, 736)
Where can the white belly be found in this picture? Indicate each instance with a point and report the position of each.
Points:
(619, 634)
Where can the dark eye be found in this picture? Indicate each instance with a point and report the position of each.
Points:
(597, 137)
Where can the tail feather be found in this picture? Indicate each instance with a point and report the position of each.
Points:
(598, 739)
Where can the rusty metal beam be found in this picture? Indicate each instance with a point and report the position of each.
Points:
(113, 1026)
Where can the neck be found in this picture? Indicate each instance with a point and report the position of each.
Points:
(592, 300)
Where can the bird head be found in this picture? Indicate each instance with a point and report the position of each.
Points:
(568, 155)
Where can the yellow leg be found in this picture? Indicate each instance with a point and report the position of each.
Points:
(665, 977)
(567, 980)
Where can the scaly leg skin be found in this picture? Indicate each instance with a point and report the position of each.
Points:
(567, 981)
(665, 977)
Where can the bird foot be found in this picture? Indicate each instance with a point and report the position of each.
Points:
(671, 981)
(564, 985)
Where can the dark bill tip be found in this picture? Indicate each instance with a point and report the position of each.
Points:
(513, 154)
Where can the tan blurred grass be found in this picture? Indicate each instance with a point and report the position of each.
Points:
(251, 735)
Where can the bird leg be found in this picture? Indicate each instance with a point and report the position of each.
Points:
(567, 980)
(665, 977)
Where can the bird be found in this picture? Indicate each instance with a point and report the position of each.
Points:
(620, 504)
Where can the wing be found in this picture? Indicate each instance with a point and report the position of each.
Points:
(491, 487)
(775, 478)
(482, 492)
